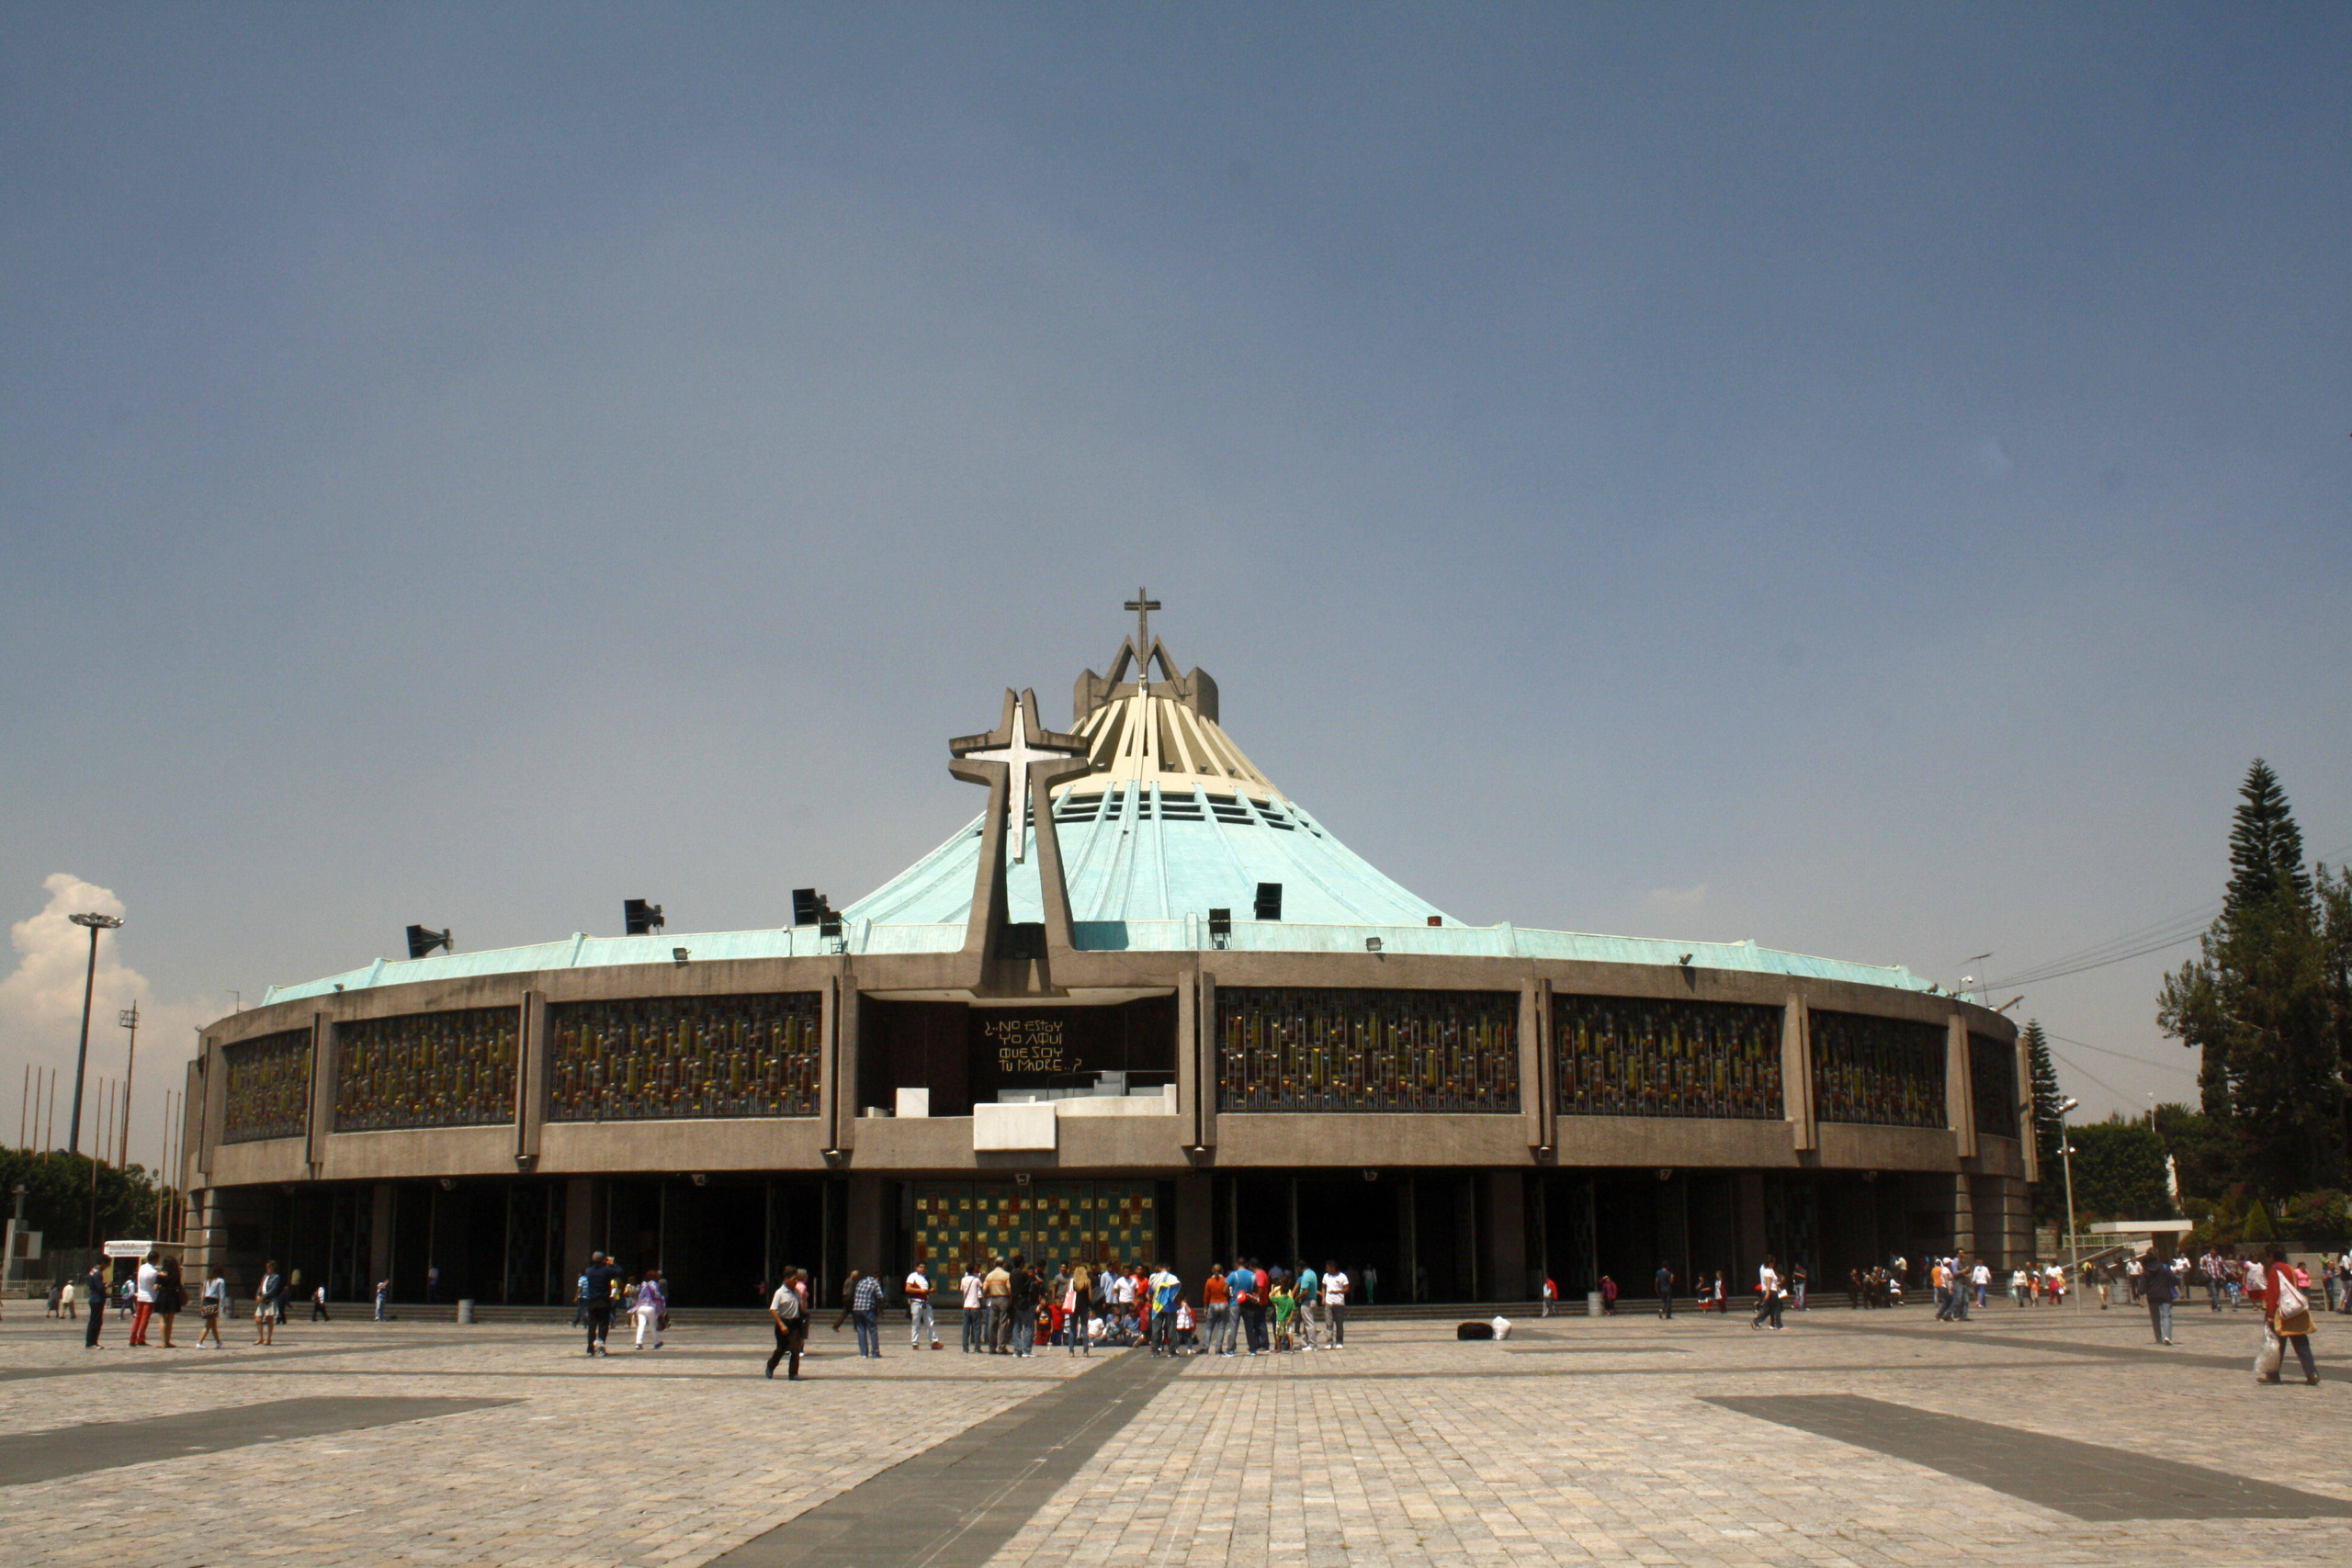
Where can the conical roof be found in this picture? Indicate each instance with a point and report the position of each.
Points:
(1175, 820)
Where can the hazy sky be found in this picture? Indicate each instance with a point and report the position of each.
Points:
(1869, 482)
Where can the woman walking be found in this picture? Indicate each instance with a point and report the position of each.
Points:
(215, 1304)
(169, 1299)
(2287, 1314)
(1767, 1289)
(652, 1308)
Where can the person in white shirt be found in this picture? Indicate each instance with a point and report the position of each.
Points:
(1335, 1303)
(1767, 1287)
(143, 1295)
(1982, 1278)
(924, 1323)
(975, 1309)
(215, 1305)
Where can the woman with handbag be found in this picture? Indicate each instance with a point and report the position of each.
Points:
(2286, 1312)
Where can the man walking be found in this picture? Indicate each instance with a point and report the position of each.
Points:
(1767, 1287)
(788, 1310)
(266, 1300)
(596, 1287)
(1664, 1280)
(920, 1323)
(865, 1314)
(2157, 1284)
(1026, 1289)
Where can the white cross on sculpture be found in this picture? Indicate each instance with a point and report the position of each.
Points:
(1017, 754)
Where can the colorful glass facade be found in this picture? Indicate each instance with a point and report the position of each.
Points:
(1993, 1085)
(970, 1222)
(1880, 1072)
(427, 1069)
(269, 1094)
(1632, 1056)
(1363, 1050)
(658, 1057)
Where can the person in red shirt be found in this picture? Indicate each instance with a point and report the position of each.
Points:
(1218, 1296)
(2282, 1282)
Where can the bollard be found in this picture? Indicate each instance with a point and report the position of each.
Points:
(1593, 1303)
(465, 1309)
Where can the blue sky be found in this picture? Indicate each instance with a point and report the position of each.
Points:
(1863, 480)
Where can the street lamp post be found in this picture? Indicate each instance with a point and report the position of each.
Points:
(2066, 1158)
(129, 1019)
(96, 923)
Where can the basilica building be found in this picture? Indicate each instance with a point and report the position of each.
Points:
(1144, 1006)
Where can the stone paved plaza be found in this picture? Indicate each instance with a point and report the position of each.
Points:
(2039, 1436)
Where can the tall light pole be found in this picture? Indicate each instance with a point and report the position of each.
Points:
(2066, 1158)
(129, 1019)
(97, 923)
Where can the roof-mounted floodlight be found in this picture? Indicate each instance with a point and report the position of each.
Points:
(1269, 900)
(421, 942)
(1371, 944)
(640, 918)
(807, 904)
(1220, 927)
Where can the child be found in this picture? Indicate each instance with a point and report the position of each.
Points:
(1286, 1304)
(1185, 1337)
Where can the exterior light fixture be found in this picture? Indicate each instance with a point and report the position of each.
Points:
(422, 940)
(1371, 1173)
(1371, 944)
(96, 923)
(1269, 900)
(1685, 960)
(1220, 927)
(701, 1180)
(640, 918)
(678, 955)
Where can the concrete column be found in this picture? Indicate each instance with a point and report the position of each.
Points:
(1505, 1273)
(582, 1233)
(1963, 1214)
(380, 1235)
(216, 1105)
(1530, 1062)
(1796, 1074)
(829, 1059)
(1960, 1104)
(1194, 1225)
(1547, 1085)
(321, 1120)
(533, 1063)
(1211, 1054)
(1188, 1052)
(846, 1058)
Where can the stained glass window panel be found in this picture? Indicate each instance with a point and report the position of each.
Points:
(1993, 1085)
(269, 1088)
(660, 1057)
(1365, 1050)
(1638, 1057)
(427, 1069)
(1880, 1072)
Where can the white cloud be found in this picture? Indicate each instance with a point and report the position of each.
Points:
(40, 1015)
(1679, 897)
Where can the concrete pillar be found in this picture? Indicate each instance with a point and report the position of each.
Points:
(1211, 1054)
(1963, 1214)
(1796, 1074)
(1530, 1062)
(533, 1063)
(1505, 1274)
(865, 1222)
(1960, 1103)
(380, 1235)
(582, 1234)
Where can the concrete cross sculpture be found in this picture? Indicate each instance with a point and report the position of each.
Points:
(1019, 762)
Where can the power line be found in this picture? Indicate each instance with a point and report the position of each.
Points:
(2139, 942)
(2126, 1055)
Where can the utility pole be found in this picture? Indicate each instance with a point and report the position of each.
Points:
(2066, 1158)
(129, 1019)
(96, 923)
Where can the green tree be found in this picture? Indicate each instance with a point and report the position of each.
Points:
(2258, 1228)
(2259, 1003)
(2049, 1192)
(2206, 1151)
(57, 1198)
(2119, 1172)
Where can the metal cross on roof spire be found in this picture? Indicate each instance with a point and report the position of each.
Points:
(1142, 605)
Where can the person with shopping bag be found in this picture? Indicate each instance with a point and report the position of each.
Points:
(2286, 1318)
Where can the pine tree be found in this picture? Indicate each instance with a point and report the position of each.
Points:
(2049, 1192)
(2266, 847)
(2258, 1002)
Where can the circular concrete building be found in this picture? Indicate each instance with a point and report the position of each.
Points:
(1144, 1006)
